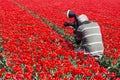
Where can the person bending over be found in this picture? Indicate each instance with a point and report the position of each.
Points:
(87, 34)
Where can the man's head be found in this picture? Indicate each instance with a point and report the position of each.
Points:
(82, 18)
(78, 19)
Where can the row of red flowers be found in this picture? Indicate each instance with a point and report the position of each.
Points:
(33, 50)
(105, 12)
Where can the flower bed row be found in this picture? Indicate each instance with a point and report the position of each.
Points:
(105, 12)
(55, 11)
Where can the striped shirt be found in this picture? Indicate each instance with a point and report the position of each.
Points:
(91, 38)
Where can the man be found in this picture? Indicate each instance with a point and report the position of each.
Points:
(88, 34)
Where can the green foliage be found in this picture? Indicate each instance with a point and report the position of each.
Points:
(36, 77)
(1, 48)
(2, 62)
(2, 59)
(110, 65)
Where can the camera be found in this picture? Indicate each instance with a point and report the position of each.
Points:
(68, 24)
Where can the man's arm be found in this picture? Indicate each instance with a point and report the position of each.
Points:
(77, 36)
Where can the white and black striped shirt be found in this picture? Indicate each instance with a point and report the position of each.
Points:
(91, 38)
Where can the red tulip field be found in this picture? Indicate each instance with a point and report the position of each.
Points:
(35, 44)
